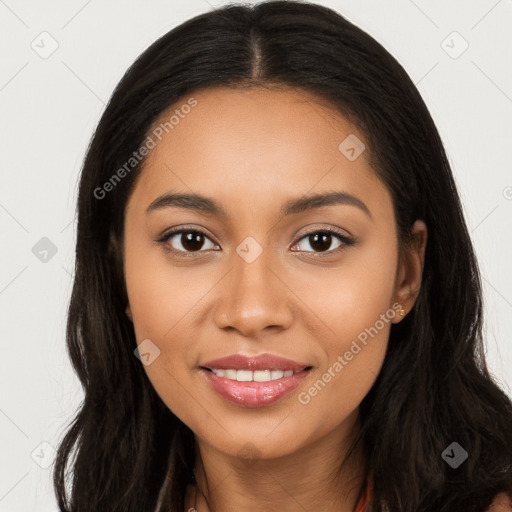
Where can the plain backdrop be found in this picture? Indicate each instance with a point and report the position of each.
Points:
(60, 63)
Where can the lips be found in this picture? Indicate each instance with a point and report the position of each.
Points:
(254, 381)
(253, 363)
(253, 394)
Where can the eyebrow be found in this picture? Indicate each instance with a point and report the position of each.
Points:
(208, 205)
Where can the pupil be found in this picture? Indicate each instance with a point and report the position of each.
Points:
(321, 241)
(192, 241)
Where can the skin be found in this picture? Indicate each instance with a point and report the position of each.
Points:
(252, 150)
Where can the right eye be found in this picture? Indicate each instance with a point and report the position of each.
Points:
(186, 241)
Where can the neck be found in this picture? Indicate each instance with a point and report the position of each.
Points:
(309, 479)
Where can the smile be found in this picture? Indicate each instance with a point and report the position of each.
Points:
(247, 391)
(253, 376)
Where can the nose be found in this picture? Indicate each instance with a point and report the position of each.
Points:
(254, 298)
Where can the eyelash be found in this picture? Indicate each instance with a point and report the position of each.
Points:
(344, 239)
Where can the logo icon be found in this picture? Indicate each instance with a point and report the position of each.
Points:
(44, 250)
(43, 455)
(352, 147)
(44, 45)
(454, 45)
(147, 352)
(249, 249)
(454, 455)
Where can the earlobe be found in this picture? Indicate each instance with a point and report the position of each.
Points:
(129, 313)
(399, 311)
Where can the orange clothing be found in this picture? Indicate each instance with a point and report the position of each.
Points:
(365, 499)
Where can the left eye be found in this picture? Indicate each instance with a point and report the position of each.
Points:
(320, 241)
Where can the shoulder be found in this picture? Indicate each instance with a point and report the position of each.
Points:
(501, 503)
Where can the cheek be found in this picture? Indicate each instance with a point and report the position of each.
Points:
(163, 299)
(359, 318)
(354, 306)
(351, 296)
(160, 294)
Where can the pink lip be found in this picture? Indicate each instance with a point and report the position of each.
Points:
(261, 362)
(253, 394)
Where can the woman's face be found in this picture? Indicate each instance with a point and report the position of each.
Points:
(262, 276)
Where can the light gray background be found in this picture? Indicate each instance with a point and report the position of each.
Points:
(51, 105)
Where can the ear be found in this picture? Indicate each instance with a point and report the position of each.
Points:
(129, 313)
(410, 269)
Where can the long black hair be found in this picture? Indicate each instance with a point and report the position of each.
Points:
(434, 387)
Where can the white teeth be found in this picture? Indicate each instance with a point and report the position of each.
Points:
(230, 374)
(261, 376)
(243, 375)
(256, 376)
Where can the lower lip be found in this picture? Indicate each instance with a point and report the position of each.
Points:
(254, 394)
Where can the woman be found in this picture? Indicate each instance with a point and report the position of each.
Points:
(276, 303)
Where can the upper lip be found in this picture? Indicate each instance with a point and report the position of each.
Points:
(260, 362)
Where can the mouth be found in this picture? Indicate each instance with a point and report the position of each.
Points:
(254, 381)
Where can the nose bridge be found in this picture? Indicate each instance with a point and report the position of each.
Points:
(252, 274)
(253, 297)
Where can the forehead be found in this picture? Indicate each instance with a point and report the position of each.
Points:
(255, 147)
